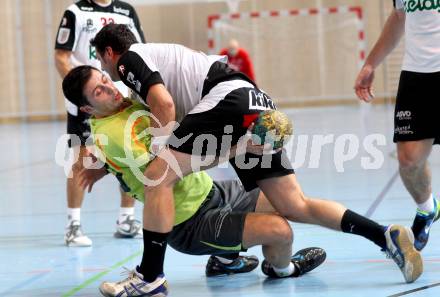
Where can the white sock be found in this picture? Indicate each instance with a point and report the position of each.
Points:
(428, 205)
(73, 214)
(284, 272)
(224, 260)
(124, 212)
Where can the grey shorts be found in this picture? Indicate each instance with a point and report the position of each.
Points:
(218, 226)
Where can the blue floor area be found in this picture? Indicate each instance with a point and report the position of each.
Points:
(35, 262)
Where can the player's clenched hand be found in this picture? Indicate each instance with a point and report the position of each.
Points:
(253, 148)
(364, 82)
(88, 177)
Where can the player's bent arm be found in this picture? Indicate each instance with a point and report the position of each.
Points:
(62, 61)
(161, 105)
(389, 38)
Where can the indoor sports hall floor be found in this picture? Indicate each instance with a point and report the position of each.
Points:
(34, 261)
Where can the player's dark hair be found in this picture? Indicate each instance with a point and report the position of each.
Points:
(74, 82)
(117, 36)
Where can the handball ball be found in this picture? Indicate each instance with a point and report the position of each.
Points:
(273, 127)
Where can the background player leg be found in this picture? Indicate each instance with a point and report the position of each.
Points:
(126, 225)
(414, 169)
(416, 176)
(75, 197)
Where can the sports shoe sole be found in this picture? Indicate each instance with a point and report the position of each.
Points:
(104, 294)
(77, 244)
(120, 235)
(155, 295)
(413, 266)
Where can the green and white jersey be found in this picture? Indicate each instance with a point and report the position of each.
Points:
(81, 22)
(83, 19)
(422, 35)
(124, 143)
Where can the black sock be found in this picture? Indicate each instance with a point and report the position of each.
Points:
(155, 245)
(353, 223)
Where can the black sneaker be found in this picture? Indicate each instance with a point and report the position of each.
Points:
(422, 225)
(240, 265)
(304, 260)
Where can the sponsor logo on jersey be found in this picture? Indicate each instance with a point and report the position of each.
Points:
(86, 8)
(404, 115)
(121, 10)
(92, 53)
(63, 35)
(421, 5)
(404, 130)
(137, 84)
(122, 69)
(260, 101)
(89, 28)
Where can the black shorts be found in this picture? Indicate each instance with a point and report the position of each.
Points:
(79, 126)
(218, 226)
(220, 120)
(416, 107)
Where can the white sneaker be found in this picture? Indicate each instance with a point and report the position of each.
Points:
(400, 248)
(75, 237)
(134, 285)
(128, 228)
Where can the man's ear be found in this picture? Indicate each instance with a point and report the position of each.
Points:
(87, 109)
(109, 51)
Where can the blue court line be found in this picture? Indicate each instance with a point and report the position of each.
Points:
(382, 195)
(23, 284)
(30, 280)
(414, 290)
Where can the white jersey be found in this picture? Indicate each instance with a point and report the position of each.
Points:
(84, 19)
(422, 35)
(182, 70)
(81, 22)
